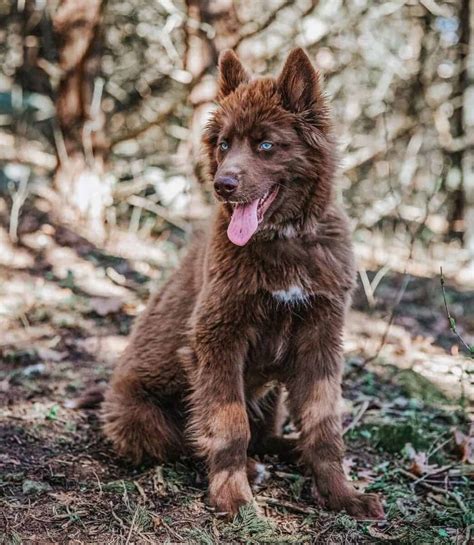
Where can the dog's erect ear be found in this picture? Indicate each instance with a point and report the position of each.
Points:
(231, 73)
(298, 82)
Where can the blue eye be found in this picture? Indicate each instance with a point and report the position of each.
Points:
(224, 146)
(265, 146)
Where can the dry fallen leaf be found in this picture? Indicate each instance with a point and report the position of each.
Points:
(105, 305)
(4, 385)
(465, 444)
(48, 354)
(419, 462)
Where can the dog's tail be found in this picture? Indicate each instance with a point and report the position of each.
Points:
(90, 399)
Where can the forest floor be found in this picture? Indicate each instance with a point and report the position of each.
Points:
(66, 307)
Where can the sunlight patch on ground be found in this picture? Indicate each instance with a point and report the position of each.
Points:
(447, 372)
(12, 256)
(373, 253)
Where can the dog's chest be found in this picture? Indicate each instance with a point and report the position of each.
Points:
(293, 295)
(277, 332)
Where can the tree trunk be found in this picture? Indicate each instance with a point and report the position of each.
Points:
(468, 125)
(80, 139)
(212, 26)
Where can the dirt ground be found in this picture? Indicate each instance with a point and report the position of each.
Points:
(66, 308)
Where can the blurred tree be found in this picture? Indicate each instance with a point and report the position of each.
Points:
(400, 77)
(81, 143)
(467, 20)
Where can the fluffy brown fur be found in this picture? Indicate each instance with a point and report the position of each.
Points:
(208, 358)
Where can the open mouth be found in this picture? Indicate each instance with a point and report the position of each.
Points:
(246, 217)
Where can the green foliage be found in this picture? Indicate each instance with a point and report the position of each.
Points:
(416, 386)
(52, 414)
(119, 486)
(393, 436)
(250, 528)
(11, 538)
(200, 536)
(143, 519)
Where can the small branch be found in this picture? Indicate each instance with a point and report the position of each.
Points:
(163, 115)
(357, 418)
(436, 489)
(460, 143)
(452, 321)
(273, 502)
(434, 472)
(369, 294)
(132, 526)
(435, 9)
(406, 279)
(467, 538)
(16, 151)
(383, 340)
(265, 24)
(160, 211)
(18, 200)
(157, 120)
(370, 287)
(366, 154)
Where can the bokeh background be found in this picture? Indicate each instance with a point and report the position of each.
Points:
(102, 182)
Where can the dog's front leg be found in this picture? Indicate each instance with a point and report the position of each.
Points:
(314, 388)
(219, 421)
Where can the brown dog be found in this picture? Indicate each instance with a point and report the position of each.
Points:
(258, 303)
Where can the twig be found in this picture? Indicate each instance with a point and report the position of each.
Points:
(160, 211)
(18, 200)
(264, 25)
(141, 491)
(119, 520)
(357, 418)
(163, 115)
(451, 320)
(383, 340)
(124, 527)
(434, 472)
(286, 504)
(467, 539)
(437, 489)
(435, 9)
(131, 526)
(370, 287)
(364, 155)
(440, 445)
(406, 279)
(369, 293)
(171, 530)
(157, 120)
(16, 150)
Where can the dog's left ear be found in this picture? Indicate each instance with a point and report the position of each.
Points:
(231, 73)
(298, 82)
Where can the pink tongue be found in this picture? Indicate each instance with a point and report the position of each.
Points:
(244, 223)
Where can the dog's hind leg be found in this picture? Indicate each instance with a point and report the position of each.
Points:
(143, 428)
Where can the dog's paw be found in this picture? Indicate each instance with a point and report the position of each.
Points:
(228, 507)
(228, 493)
(360, 506)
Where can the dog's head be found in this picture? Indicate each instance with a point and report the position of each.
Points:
(269, 146)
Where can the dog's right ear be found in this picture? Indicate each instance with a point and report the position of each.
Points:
(231, 73)
(299, 82)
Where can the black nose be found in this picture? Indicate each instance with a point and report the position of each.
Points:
(225, 185)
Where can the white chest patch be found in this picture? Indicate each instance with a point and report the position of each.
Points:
(293, 295)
